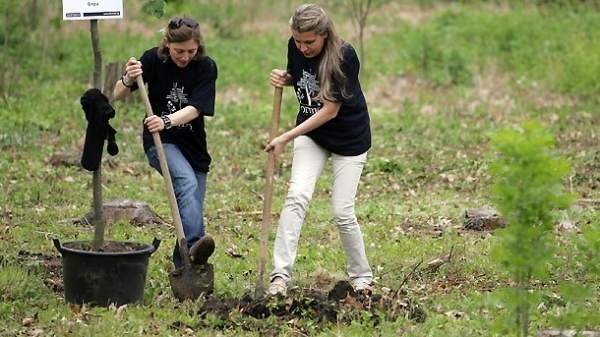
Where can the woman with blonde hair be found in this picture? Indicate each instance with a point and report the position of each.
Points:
(332, 122)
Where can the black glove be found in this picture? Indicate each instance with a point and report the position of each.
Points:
(97, 112)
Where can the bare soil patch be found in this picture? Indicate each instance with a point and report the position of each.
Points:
(52, 266)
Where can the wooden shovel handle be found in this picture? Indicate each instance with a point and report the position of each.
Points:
(164, 168)
(268, 195)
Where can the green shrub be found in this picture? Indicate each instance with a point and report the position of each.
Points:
(527, 190)
(430, 53)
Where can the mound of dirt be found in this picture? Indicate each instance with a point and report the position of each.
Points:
(107, 247)
(340, 304)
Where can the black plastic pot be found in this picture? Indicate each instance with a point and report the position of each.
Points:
(104, 278)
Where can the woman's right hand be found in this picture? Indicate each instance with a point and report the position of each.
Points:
(280, 78)
(277, 144)
(133, 69)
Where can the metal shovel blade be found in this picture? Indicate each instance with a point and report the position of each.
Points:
(189, 283)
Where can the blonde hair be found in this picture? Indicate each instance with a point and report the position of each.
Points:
(181, 29)
(312, 18)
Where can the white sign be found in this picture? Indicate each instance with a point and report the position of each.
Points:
(92, 9)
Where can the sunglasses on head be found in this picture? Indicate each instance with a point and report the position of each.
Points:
(178, 22)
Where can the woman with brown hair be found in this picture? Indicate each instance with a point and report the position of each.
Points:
(181, 88)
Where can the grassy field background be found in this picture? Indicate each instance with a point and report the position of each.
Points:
(440, 77)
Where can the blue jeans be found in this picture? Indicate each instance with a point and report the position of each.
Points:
(190, 188)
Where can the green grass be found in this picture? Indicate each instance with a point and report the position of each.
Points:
(471, 68)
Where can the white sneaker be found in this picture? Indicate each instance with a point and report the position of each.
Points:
(277, 287)
(362, 286)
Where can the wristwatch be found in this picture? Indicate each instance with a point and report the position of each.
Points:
(167, 121)
(128, 78)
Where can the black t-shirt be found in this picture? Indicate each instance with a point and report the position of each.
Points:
(349, 133)
(171, 88)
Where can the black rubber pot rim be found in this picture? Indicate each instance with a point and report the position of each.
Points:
(147, 248)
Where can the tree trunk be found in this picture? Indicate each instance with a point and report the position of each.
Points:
(4, 78)
(33, 15)
(360, 13)
(361, 46)
(46, 26)
(97, 54)
(99, 222)
(523, 305)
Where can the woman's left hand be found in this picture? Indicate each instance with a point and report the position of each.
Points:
(276, 145)
(154, 123)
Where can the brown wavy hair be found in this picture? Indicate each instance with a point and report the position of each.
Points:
(181, 29)
(313, 18)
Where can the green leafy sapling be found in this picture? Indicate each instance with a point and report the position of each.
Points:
(528, 189)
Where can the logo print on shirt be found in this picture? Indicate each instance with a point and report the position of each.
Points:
(177, 100)
(308, 87)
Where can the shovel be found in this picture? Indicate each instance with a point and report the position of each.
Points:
(268, 196)
(190, 281)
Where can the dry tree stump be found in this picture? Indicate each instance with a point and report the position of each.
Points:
(113, 72)
(483, 219)
(65, 158)
(136, 212)
(567, 333)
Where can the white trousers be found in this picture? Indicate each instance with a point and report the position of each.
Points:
(307, 164)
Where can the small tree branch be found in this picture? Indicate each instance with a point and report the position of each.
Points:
(408, 277)
(360, 12)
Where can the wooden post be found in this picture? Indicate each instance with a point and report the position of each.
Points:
(112, 73)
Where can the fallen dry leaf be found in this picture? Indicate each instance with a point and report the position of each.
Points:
(435, 263)
(37, 332)
(455, 314)
(233, 252)
(27, 321)
(120, 310)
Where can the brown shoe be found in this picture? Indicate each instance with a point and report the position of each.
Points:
(202, 250)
